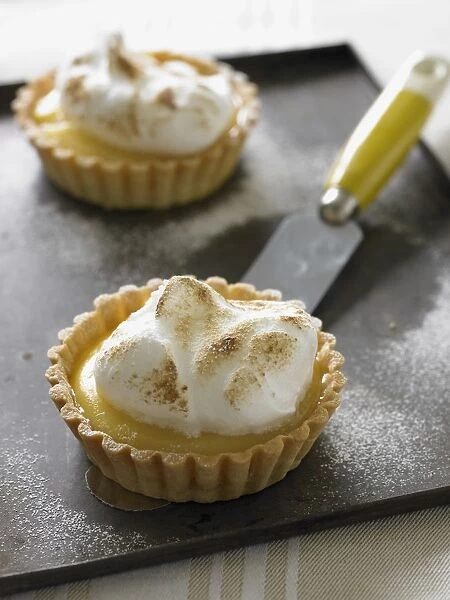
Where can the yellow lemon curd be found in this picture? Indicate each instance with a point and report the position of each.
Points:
(145, 436)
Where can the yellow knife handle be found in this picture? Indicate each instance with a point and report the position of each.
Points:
(384, 136)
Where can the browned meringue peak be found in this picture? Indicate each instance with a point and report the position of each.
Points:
(121, 61)
(195, 362)
(142, 102)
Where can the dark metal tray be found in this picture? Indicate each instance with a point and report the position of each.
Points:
(385, 451)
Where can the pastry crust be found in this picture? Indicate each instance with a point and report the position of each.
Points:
(189, 476)
(153, 183)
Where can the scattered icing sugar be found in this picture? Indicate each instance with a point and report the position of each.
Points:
(375, 442)
(378, 442)
(176, 238)
(42, 525)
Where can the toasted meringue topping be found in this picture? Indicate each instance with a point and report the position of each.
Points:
(140, 103)
(194, 362)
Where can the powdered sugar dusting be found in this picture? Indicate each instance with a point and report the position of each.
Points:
(37, 513)
(391, 434)
(173, 238)
(383, 437)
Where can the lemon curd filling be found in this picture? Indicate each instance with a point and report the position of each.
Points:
(68, 136)
(144, 436)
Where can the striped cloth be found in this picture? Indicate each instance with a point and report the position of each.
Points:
(406, 557)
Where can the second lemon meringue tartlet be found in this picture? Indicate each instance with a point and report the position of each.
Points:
(190, 390)
(138, 130)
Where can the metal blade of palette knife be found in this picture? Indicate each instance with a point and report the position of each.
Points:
(304, 257)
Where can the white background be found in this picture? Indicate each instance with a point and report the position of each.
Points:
(37, 34)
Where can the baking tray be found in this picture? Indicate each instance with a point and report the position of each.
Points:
(387, 448)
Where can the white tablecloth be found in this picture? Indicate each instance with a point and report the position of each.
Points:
(403, 558)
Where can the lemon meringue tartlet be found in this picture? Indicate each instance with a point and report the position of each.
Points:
(191, 390)
(132, 130)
